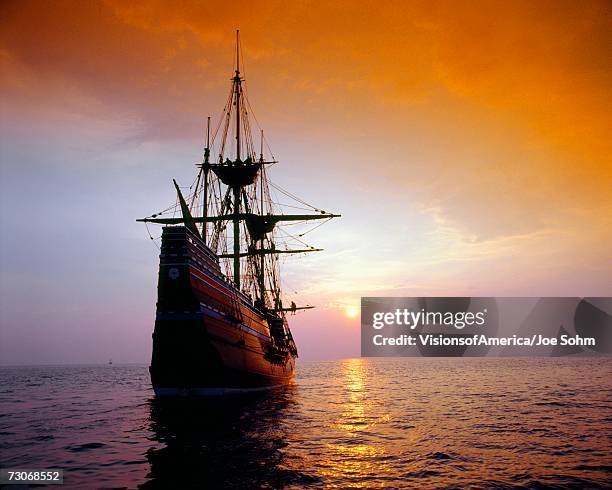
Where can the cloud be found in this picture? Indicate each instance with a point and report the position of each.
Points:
(496, 115)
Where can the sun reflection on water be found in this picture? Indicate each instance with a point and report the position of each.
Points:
(353, 416)
(353, 455)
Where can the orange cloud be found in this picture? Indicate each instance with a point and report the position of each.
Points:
(493, 118)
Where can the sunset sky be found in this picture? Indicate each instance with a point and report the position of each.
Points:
(466, 144)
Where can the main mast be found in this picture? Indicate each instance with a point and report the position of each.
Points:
(236, 188)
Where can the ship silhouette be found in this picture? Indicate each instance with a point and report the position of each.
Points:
(221, 325)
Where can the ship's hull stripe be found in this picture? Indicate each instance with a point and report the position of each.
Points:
(164, 391)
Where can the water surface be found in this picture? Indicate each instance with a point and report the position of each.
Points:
(426, 423)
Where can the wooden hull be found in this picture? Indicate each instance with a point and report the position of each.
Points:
(209, 339)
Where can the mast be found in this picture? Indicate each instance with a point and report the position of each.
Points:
(237, 81)
(236, 188)
(205, 193)
(261, 277)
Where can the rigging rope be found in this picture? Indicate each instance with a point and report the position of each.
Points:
(266, 143)
(293, 196)
(151, 237)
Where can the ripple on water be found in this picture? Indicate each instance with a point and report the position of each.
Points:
(85, 447)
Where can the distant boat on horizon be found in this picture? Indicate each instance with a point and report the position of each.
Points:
(221, 325)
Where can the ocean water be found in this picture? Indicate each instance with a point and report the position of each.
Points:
(426, 423)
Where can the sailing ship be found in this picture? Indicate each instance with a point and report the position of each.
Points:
(221, 323)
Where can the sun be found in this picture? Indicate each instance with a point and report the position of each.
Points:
(351, 311)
